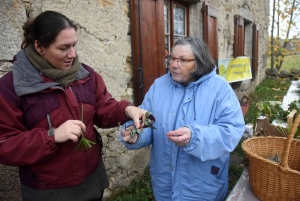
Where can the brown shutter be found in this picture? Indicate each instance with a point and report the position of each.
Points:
(255, 51)
(210, 29)
(239, 36)
(147, 34)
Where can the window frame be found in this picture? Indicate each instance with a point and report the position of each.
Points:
(172, 4)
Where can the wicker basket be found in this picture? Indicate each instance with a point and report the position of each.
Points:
(271, 180)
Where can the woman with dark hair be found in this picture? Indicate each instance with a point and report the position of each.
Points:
(198, 123)
(50, 103)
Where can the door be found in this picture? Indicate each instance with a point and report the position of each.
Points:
(147, 34)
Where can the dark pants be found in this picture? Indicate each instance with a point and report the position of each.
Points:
(100, 198)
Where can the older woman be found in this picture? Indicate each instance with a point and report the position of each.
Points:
(198, 123)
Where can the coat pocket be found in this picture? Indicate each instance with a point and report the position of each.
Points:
(215, 189)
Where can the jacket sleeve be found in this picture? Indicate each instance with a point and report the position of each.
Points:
(220, 137)
(109, 112)
(145, 138)
(19, 146)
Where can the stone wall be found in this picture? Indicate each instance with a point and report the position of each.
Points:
(253, 11)
(105, 44)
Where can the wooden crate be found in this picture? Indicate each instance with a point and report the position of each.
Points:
(273, 131)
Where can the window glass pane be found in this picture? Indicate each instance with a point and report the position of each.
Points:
(179, 21)
(167, 42)
(166, 17)
(167, 23)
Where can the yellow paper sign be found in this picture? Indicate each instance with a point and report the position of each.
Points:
(235, 69)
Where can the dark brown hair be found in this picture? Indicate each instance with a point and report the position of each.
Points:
(45, 28)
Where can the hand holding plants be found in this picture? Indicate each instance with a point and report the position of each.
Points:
(136, 114)
(130, 132)
(70, 130)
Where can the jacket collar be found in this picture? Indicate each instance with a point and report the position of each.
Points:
(27, 79)
(196, 82)
(193, 86)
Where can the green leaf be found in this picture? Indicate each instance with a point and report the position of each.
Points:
(84, 144)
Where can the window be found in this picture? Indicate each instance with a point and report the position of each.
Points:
(239, 37)
(176, 23)
(246, 41)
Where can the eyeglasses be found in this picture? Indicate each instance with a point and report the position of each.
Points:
(180, 61)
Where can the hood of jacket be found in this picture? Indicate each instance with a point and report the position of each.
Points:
(193, 85)
(196, 82)
(27, 79)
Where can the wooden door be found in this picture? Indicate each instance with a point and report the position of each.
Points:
(147, 34)
(210, 29)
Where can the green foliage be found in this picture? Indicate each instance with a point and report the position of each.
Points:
(84, 143)
(281, 43)
(149, 120)
(290, 61)
(271, 110)
(234, 174)
(238, 150)
(268, 90)
(263, 103)
(140, 189)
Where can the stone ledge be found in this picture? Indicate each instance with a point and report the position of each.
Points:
(242, 189)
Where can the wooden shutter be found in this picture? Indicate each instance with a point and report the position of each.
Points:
(239, 36)
(255, 51)
(147, 34)
(210, 29)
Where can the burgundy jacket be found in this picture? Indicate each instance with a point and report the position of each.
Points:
(26, 97)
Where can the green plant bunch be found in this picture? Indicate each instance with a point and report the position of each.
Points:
(149, 120)
(140, 189)
(84, 143)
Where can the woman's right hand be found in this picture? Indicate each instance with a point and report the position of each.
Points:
(70, 130)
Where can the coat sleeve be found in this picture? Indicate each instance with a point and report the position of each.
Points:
(220, 137)
(145, 138)
(19, 146)
(109, 112)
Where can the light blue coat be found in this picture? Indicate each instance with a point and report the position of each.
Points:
(198, 171)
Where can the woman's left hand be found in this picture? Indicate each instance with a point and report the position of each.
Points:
(136, 113)
(181, 136)
(127, 137)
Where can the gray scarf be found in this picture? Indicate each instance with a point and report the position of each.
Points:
(63, 77)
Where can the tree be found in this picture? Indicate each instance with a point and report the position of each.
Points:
(286, 17)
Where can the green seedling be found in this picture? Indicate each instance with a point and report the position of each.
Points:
(84, 144)
(149, 120)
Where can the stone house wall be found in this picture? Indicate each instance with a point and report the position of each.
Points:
(253, 11)
(105, 44)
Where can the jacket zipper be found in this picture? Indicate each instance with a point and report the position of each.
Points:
(178, 108)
